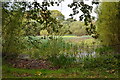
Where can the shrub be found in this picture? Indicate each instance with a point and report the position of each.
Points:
(62, 60)
(37, 48)
(104, 49)
(55, 46)
(102, 61)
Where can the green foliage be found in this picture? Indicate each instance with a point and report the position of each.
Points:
(44, 32)
(11, 31)
(104, 50)
(44, 20)
(52, 46)
(106, 66)
(70, 20)
(47, 47)
(107, 62)
(108, 23)
(57, 14)
(86, 9)
(78, 28)
(55, 46)
(62, 60)
(18, 22)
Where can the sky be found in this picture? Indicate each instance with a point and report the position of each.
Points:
(65, 10)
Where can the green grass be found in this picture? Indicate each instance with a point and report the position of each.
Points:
(8, 72)
(105, 66)
(61, 73)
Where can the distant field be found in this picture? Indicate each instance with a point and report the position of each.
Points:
(77, 38)
(66, 36)
(71, 38)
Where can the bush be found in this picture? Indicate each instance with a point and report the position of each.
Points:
(37, 48)
(62, 60)
(55, 46)
(51, 47)
(103, 61)
(104, 50)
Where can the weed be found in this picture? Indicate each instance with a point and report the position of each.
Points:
(62, 60)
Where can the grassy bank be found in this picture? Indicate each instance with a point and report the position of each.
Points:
(10, 72)
(100, 67)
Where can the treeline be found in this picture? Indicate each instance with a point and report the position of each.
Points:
(69, 26)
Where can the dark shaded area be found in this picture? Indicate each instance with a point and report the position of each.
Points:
(32, 64)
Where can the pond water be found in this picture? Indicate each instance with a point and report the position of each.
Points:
(79, 55)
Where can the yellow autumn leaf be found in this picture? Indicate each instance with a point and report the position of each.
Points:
(38, 73)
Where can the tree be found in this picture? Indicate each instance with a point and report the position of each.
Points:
(71, 20)
(11, 30)
(108, 23)
(59, 17)
(78, 28)
(57, 14)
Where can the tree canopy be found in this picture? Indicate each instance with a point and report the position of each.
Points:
(57, 14)
(108, 23)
